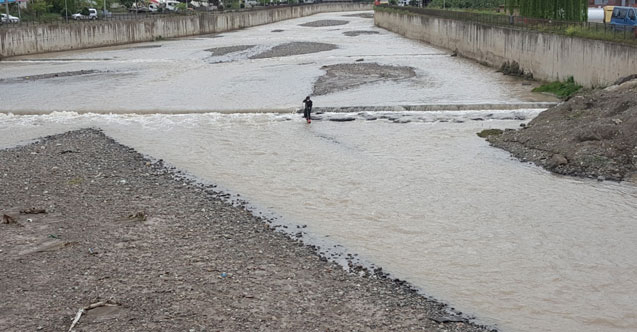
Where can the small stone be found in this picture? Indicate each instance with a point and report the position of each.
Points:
(601, 178)
(558, 160)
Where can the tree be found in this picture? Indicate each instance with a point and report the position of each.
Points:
(569, 10)
(40, 7)
(480, 4)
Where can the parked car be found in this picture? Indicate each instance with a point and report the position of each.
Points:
(11, 19)
(624, 18)
(92, 15)
(171, 5)
(139, 9)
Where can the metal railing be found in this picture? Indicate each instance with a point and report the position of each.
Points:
(590, 30)
(130, 16)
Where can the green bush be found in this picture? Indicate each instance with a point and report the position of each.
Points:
(563, 89)
(466, 3)
(490, 132)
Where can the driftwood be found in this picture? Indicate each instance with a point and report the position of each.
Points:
(32, 211)
(7, 219)
(81, 311)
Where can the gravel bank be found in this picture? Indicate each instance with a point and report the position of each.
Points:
(590, 135)
(51, 75)
(156, 252)
(360, 32)
(219, 51)
(324, 23)
(294, 48)
(362, 15)
(350, 75)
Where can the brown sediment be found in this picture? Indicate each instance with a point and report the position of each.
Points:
(350, 75)
(219, 51)
(360, 32)
(50, 75)
(294, 48)
(138, 246)
(324, 23)
(362, 15)
(593, 134)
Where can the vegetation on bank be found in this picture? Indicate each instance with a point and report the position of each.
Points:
(475, 4)
(567, 10)
(597, 31)
(490, 132)
(563, 89)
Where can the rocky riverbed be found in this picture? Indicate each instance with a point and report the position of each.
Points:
(593, 134)
(345, 76)
(324, 23)
(96, 235)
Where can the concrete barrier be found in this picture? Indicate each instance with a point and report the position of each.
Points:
(547, 56)
(22, 40)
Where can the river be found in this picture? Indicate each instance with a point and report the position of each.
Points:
(417, 193)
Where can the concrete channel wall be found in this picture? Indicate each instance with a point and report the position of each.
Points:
(21, 40)
(550, 57)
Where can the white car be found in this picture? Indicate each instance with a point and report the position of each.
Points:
(171, 5)
(92, 15)
(12, 19)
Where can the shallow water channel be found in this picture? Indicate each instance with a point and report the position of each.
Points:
(416, 193)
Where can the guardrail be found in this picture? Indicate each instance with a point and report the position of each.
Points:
(590, 30)
(130, 16)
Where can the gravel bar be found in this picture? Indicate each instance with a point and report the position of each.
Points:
(294, 48)
(324, 23)
(91, 226)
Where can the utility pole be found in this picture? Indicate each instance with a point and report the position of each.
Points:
(6, 2)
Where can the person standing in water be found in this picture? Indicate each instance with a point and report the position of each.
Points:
(308, 109)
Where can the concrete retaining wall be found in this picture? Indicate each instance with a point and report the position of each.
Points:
(21, 40)
(548, 56)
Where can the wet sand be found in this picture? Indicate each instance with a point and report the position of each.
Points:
(152, 250)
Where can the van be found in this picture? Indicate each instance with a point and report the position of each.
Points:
(624, 18)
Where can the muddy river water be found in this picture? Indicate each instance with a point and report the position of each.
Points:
(416, 193)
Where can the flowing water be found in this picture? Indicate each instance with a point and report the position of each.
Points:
(181, 75)
(424, 198)
(427, 200)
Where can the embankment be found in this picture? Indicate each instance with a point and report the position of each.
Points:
(547, 56)
(590, 135)
(22, 40)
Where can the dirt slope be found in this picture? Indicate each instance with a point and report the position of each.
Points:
(593, 134)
